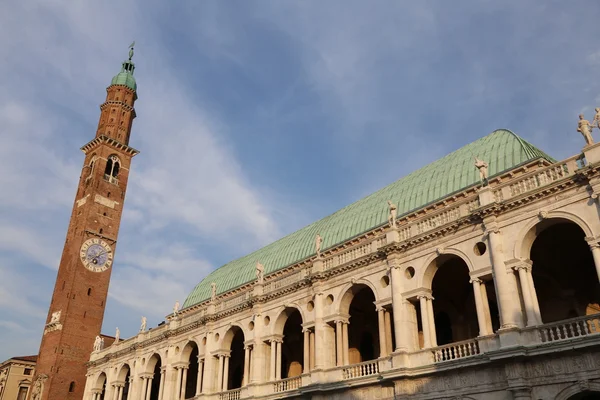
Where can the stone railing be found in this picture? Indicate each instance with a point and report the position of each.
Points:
(568, 329)
(111, 179)
(536, 179)
(439, 219)
(234, 394)
(354, 253)
(454, 351)
(233, 301)
(284, 280)
(363, 369)
(287, 384)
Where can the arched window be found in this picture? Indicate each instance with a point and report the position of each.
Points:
(112, 169)
(71, 387)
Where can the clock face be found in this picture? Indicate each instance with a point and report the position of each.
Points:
(96, 255)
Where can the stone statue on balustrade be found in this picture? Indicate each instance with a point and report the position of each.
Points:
(176, 308)
(318, 242)
(482, 166)
(392, 214)
(98, 343)
(143, 326)
(585, 128)
(117, 336)
(260, 273)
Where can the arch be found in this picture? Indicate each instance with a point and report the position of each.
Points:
(350, 290)
(188, 348)
(190, 354)
(358, 301)
(113, 165)
(582, 387)
(123, 376)
(563, 281)
(229, 335)
(151, 363)
(433, 262)
(123, 371)
(283, 315)
(100, 381)
(531, 230)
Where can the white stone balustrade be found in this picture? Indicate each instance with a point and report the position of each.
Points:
(363, 369)
(454, 351)
(287, 384)
(234, 394)
(568, 329)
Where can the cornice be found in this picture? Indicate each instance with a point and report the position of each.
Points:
(103, 139)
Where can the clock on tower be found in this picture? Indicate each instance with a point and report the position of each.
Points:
(77, 307)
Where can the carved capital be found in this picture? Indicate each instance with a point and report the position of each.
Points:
(584, 384)
(523, 266)
(543, 214)
(440, 251)
(592, 242)
(393, 263)
(475, 280)
(425, 296)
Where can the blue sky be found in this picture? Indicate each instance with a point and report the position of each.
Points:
(256, 118)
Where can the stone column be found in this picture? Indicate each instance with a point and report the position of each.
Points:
(312, 350)
(306, 358)
(480, 306)
(431, 321)
(595, 248)
(226, 373)
(220, 374)
(388, 331)
(524, 271)
(272, 370)
(398, 306)
(144, 388)
(425, 321)
(246, 365)
(184, 375)
(120, 397)
(115, 392)
(509, 308)
(381, 326)
(149, 389)
(177, 394)
(534, 298)
(488, 315)
(345, 345)
(338, 344)
(199, 378)
(320, 344)
(278, 360)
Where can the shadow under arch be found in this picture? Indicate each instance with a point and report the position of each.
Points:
(563, 281)
(358, 301)
(100, 385)
(434, 261)
(233, 340)
(454, 309)
(123, 377)
(528, 234)
(153, 367)
(189, 355)
(350, 290)
(289, 325)
(577, 392)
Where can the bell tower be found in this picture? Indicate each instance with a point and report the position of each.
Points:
(79, 299)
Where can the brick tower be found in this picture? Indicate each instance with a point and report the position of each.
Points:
(77, 308)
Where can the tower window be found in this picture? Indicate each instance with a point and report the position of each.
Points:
(89, 291)
(112, 169)
(71, 387)
(100, 231)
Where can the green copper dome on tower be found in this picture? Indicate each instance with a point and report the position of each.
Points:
(125, 77)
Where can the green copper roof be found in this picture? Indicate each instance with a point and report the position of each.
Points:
(502, 149)
(125, 77)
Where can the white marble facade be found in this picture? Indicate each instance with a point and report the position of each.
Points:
(385, 315)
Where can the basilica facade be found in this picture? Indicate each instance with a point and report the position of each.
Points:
(470, 278)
